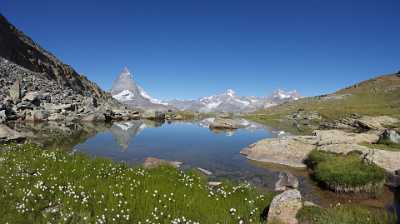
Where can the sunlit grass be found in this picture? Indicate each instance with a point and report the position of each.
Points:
(39, 186)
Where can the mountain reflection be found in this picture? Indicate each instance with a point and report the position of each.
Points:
(124, 132)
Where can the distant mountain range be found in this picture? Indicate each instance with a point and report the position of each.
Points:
(127, 91)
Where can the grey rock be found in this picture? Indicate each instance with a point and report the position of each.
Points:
(389, 136)
(225, 123)
(24, 105)
(284, 207)
(7, 135)
(36, 115)
(286, 181)
(32, 97)
(152, 162)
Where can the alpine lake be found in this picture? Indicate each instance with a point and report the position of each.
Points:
(196, 146)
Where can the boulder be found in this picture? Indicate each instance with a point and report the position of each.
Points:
(7, 134)
(284, 207)
(327, 137)
(389, 136)
(36, 115)
(224, 123)
(152, 162)
(286, 181)
(24, 105)
(32, 97)
(375, 123)
(289, 151)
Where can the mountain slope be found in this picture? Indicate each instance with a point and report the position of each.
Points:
(373, 97)
(15, 46)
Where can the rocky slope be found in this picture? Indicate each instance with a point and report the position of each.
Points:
(36, 86)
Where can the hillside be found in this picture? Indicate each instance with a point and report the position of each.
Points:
(373, 97)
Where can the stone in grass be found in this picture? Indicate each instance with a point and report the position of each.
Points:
(152, 162)
(284, 207)
(286, 181)
(214, 183)
(206, 172)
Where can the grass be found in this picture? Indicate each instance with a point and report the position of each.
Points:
(347, 214)
(346, 173)
(41, 186)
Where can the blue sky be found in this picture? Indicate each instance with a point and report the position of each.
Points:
(189, 49)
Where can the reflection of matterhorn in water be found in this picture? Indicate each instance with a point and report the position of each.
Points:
(124, 132)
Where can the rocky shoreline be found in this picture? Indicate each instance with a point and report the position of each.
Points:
(293, 150)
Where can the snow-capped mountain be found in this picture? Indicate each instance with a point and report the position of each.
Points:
(283, 95)
(126, 91)
(230, 102)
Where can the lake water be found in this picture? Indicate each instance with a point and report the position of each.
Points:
(194, 144)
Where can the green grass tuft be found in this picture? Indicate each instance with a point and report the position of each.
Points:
(346, 173)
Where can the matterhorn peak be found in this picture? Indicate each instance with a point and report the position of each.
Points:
(126, 90)
(126, 72)
(230, 92)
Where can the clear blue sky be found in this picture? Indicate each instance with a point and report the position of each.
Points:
(188, 49)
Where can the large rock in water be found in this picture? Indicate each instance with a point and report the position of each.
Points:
(7, 134)
(152, 162)
(290, 151)
(225, 123)
(284, 207)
